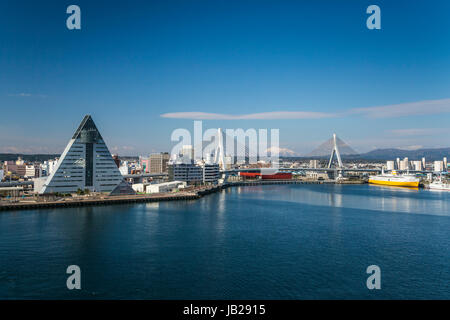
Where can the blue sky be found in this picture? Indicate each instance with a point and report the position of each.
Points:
(145, 68)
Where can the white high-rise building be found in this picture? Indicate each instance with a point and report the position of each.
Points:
(417, 165)
(404, 164)
(390, 165)
(438, 166)
(86, 163)
(445, 164)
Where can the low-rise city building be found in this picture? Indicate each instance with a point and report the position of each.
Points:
(157, 163)
(165, 187)
(211, 173)
(188, 172)
(139, 187)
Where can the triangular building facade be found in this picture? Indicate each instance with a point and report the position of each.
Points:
(86, 163)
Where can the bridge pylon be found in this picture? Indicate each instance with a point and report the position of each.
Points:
(335, 151)
(219, 154)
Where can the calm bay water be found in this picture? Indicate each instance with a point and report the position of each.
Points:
(261, 242)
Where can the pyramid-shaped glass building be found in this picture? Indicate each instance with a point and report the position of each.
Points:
(86, 163)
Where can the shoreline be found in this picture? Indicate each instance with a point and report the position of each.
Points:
(111, 200)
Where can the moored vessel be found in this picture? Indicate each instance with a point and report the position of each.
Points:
(439, 185)
(395, 179)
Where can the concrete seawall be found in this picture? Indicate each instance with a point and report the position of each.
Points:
(109, 200)
(96, 202)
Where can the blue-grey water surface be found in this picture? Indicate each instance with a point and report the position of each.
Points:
(259, 242)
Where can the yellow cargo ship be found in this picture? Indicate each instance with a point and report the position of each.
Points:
(395, 180)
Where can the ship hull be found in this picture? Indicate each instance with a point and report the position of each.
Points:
(408, 184)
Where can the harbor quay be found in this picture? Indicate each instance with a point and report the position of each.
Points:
(193, 193)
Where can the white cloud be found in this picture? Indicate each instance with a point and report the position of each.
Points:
(24, 94)
(426, 107)
(252, 116)
(419, 131)
(405, 109)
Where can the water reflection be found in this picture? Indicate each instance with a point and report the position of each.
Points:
(380, 198)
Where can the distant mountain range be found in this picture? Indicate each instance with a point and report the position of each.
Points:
(27, 157)
(391, 154)
(384, 154)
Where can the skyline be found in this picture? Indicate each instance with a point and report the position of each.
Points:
(145, 69)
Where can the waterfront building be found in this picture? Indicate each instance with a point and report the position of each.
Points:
(2, 174)
(139, 187)
(165, 187)
(188, 172)
(86, 163)
(445, 164)
(158, 162)
(424, 164)
(211, 173)
(317, 175)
